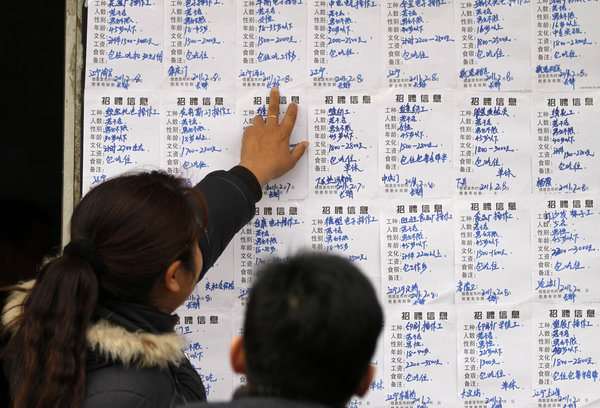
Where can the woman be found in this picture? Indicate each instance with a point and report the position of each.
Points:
(96, 328)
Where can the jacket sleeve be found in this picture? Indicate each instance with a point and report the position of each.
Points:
(231, 197)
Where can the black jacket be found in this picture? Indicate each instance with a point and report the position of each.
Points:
(135, 359)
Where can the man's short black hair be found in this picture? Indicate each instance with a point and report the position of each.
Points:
(311, 328)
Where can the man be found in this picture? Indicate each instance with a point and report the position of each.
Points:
(310, 331)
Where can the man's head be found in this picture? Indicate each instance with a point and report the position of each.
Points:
(310, 330)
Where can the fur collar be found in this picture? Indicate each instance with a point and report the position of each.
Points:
(136, 349)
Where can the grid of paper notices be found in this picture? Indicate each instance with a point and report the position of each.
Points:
(452, 157)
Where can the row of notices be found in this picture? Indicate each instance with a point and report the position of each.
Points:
(440, 44)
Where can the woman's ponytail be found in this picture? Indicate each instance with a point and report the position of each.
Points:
(48, 362)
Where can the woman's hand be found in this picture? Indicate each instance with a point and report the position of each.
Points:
(266, 144)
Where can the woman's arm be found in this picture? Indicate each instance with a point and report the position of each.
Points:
(230, 198)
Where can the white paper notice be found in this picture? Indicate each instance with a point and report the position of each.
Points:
(492, 156)
(566, 243)
(567, 355)
(567, 50)
(495, 356)
(565, 126)
(491, 256)
(345, 50)
(196, 135)
(420, 44)
(125, 46)
(271, 43)
(421, 347)
(495, 38)
(207, 351)
(276, 231)
(198, 37)
(344, 140)
(417, 259)
(123, 133)
(340, 228)
(415, 152)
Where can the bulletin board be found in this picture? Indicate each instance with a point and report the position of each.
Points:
(453, 158)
